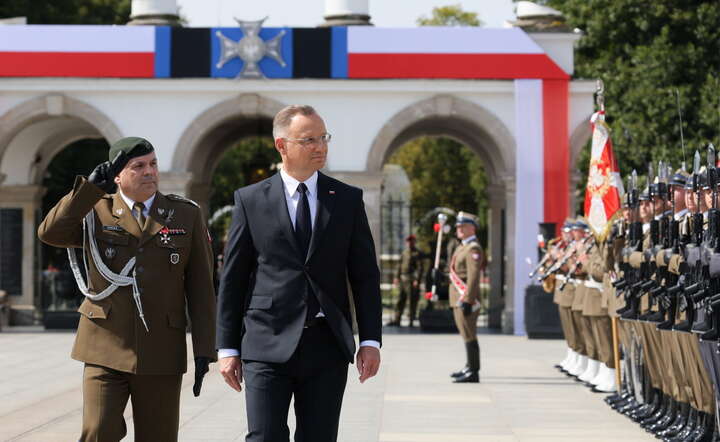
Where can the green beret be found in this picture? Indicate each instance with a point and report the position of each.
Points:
(132, 146)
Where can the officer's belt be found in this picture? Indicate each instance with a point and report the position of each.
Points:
(592, 284)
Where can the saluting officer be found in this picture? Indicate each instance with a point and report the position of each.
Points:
(407, 278)
(465, 266)
(148, 261)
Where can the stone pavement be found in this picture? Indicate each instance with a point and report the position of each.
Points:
(521, 397)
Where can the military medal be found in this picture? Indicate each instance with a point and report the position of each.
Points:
(174, 258)
(110, 253)
(166, 233)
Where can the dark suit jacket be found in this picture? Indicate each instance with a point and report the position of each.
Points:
(264, 287)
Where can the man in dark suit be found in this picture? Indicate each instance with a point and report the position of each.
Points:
(284, 325)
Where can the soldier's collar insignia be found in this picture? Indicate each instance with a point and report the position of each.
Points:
(119, 211)
(166, 215)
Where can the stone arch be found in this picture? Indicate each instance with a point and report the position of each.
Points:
(469, 123)
(206, 138)
(53, 106)
(482, 131)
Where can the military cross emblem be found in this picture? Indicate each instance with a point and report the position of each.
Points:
(251, 49)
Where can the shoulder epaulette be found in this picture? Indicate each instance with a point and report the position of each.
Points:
(174, 197)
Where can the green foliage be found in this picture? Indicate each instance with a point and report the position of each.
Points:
(644, 51)
(451, 15)
(443, 173)
(83, 12)
(249, 161)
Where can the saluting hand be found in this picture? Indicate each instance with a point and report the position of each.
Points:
(368, 362)
(231, 371)
(104, 174)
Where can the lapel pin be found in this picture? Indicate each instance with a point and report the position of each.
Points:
(119, 211)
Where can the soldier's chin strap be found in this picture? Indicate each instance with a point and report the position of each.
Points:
(115, 280)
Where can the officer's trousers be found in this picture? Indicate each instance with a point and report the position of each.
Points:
(155, 404)
(466, 324)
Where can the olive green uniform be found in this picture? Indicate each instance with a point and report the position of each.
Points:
(409, 274)
(174, 276)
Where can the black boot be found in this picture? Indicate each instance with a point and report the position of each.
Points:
(678, 423)
(659, 413)
(463, 371)
(666, 420)
(472, 375)
(704, 431)
(688, 428)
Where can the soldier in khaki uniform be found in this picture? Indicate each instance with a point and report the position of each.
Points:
(148, 262)
(407, 278)
(465, 266)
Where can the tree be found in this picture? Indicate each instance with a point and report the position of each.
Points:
(451, 15)
(443, 173)
(84, 12)
(644, 52)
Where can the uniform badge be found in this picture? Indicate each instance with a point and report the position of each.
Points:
(119, 211)
(113, 229)
(167, 216)
(166, 233)
(110, 253)
(174, 258)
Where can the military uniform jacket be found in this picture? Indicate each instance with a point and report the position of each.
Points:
(174, 273)
(467, 262)
(410, 267)
(595, 304)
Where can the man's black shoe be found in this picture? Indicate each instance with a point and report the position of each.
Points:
(460, 373)
(467, 378)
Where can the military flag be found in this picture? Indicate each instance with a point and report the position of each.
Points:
(604, 185)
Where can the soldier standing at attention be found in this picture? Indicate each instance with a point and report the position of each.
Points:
(407, 278)
(465, 265)
(148, 260)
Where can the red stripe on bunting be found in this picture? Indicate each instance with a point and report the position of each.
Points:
(556, 156)
(483, 66)
(77, 64)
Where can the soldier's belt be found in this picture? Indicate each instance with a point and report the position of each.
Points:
(592, 284)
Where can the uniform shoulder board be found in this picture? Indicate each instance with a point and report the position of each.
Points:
(174, 197)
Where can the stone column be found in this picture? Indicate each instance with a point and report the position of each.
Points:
(346, 13)
(496, 197)
(29, 199)
(154, 12)
(508, 321)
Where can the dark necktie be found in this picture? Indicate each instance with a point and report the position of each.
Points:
(139, 216)
(303, 232)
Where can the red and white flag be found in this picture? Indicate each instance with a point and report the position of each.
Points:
(604, 185)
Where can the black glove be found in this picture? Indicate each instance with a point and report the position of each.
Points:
(201, 367)
(104, 174)
(466, 308)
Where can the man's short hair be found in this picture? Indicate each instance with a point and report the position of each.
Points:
(284, 117)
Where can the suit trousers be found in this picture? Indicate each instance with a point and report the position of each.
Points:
(155, 403)
(315, 375)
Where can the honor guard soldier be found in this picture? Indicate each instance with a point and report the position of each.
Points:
(148, 260)
(407, 278)
(465, 266)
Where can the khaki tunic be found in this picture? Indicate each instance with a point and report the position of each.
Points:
(467, 261)
(110, 332)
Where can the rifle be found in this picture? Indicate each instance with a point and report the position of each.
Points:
(577, 265)
(545, 260)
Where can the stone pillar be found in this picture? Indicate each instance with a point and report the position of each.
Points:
(496, 197)
(29, 199)
(575, 178)
(154, 13)
(346, 13)
(508, 321)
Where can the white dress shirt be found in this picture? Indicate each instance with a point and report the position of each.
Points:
(130, 203)
(292, 197)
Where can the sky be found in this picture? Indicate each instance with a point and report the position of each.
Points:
(308, 13)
